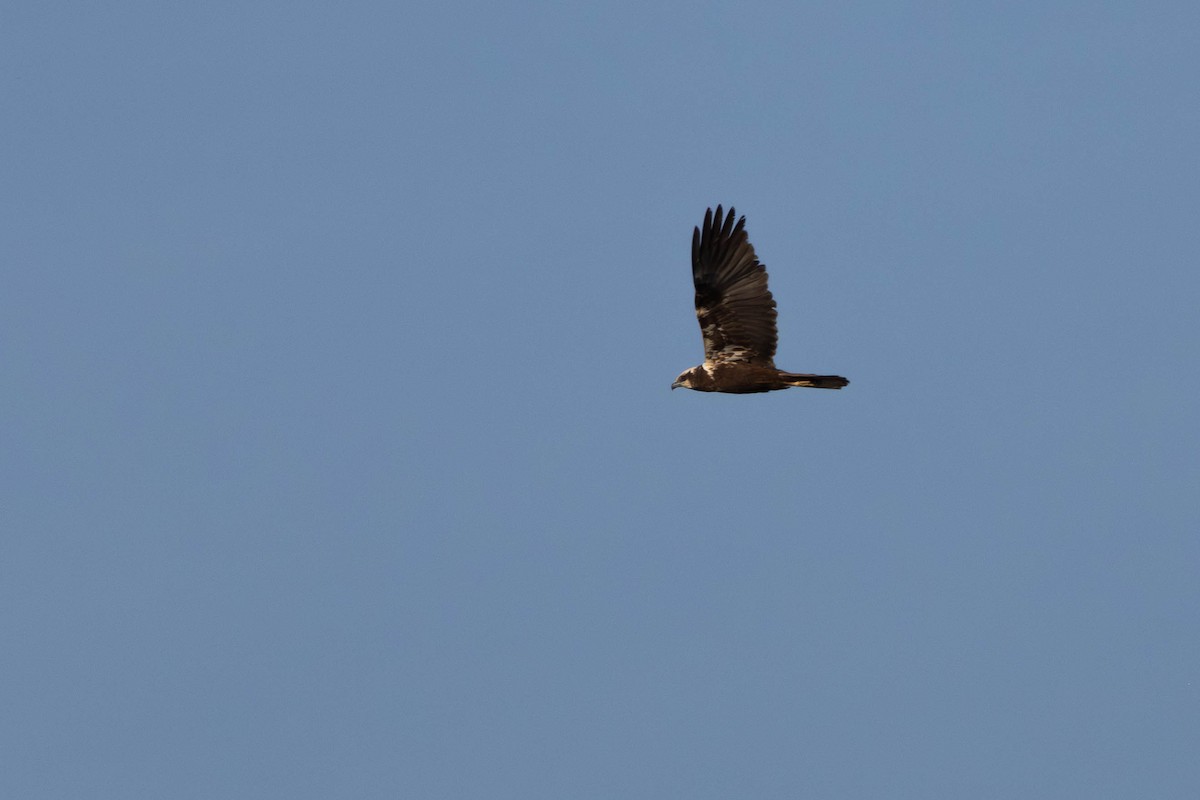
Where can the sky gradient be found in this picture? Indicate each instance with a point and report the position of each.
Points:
(339, 457)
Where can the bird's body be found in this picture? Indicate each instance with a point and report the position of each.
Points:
(749, 378)
(737, 316)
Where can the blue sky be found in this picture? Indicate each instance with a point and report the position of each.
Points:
(339, 456)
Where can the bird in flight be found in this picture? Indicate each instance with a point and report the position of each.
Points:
(737, 316)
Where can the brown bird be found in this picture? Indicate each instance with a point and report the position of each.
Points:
(737, 316)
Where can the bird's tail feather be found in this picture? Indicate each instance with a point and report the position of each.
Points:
(815, 381)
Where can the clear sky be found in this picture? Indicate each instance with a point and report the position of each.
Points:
(339, 456)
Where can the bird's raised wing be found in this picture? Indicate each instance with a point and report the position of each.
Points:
(734, 306)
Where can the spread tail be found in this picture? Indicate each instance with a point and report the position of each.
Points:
(815, 381)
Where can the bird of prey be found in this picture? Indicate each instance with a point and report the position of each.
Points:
(737, 316)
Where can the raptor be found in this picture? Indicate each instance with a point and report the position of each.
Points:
(737, 316)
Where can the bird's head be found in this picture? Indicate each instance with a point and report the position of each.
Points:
(685, 379)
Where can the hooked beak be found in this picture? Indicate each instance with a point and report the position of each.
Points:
(675, 385)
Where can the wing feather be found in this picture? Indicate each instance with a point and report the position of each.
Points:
(734, 306)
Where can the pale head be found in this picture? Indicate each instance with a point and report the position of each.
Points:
(692, 378)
